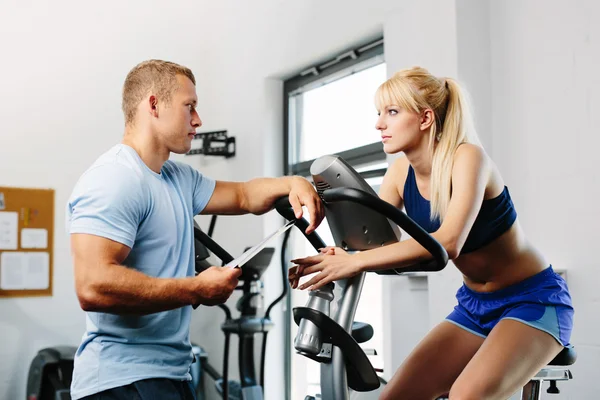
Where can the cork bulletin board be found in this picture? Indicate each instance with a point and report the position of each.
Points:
(26, 241)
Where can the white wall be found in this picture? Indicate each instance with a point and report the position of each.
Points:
(63, 67)
(545, 137)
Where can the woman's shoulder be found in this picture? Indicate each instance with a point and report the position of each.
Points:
(472, 157)
(471, 151)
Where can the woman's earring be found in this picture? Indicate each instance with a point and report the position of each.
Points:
(438, 136)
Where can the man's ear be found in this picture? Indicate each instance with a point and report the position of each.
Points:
(153, 106)
(427, 119)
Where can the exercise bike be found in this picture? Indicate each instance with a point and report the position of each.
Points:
(332, 340)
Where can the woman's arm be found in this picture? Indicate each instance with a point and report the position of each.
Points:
(470, 175)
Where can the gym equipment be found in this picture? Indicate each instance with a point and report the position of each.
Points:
(215, 143)
(247, 325)
(333, 340)
(50, 374)
(197, 370)
(557, 370)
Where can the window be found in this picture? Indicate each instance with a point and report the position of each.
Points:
(330, 110)
(338, 116)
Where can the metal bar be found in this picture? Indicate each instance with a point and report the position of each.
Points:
(334, 385)
(553, 374)
(532, 391)
(332, 65)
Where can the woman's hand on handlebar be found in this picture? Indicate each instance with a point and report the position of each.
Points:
(333, 264)
(297, 271)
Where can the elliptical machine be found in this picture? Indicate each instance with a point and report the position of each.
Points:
(248, 324)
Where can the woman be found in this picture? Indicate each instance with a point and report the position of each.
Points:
(514, 313)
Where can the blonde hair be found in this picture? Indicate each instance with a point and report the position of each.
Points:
(416, 89)
(155, 76)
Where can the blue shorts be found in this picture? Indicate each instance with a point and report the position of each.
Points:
(541, 301)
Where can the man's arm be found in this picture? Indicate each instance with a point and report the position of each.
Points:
(103, 284)
(257, 196)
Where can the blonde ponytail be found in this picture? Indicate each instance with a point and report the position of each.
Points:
(457, 129)
(416, 89)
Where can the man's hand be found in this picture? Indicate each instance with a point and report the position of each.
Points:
(302, 193)
(215, 285)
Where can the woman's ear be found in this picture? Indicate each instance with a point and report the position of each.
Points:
(427, 119)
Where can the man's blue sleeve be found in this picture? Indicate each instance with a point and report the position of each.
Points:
(107, 201)
(203, 190)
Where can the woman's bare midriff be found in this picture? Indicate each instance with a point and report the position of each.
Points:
(509, 259)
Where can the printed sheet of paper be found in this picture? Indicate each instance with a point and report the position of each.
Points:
(37, 275)
(247, 256)
(20, 271)
(34, 238)
(9, 224)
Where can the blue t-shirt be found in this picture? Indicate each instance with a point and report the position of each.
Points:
(121, 199)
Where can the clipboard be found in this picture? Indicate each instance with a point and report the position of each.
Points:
(251, 252)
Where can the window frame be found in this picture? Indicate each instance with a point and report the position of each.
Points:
(353, 60)
(345, 64)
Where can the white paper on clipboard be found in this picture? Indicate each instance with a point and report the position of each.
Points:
(248, 254)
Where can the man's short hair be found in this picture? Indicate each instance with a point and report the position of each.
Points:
(156, 76)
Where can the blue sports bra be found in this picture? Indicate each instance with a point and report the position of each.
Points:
(495, 217)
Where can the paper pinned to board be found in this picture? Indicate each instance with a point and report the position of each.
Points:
(248, 254)
(2, 202)
(33, 238)
(37, 274)
(23, 271)
(9, 224)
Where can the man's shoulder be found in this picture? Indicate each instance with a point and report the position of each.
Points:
(117, 163)
(109, 185)
(112, 169)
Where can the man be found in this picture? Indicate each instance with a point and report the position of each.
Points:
(131, 228)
